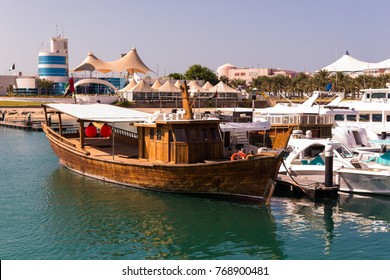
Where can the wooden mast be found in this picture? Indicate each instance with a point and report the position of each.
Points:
(186, 102)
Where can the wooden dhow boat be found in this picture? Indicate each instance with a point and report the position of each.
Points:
(165, 152)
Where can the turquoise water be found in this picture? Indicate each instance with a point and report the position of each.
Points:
(49, 212)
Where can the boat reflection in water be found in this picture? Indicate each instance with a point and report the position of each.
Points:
(348, 227)
(97, 220)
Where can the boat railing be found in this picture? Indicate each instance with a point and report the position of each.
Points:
(126, 133)
(63, 139)
(298, 119)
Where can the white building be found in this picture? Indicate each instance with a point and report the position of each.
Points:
(53, 63)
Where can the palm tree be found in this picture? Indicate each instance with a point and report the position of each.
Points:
(45, 84)
(299, 83)
(237, 82)
(224, 79)
(321, 79)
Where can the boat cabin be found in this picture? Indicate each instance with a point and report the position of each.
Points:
(180, 141)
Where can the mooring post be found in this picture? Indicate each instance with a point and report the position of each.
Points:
(328, 165)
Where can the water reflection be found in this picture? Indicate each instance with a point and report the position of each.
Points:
(92, 219)
(371, 213)
(349, 227)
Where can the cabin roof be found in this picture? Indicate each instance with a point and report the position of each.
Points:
(100, 112)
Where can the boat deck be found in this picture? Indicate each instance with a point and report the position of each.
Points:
(103, 148)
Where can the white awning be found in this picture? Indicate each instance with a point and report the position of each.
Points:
(100, 112)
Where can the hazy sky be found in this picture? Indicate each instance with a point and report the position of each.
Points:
(301, 35)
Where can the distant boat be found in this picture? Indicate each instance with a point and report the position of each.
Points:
(164, 152)
(373, 111)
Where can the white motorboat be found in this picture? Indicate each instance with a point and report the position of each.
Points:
(372, 178)
(307, 159)
(366, 181)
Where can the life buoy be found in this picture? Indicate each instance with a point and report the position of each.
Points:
(238, 155)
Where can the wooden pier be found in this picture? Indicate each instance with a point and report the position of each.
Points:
(310, 188)
(22, 125)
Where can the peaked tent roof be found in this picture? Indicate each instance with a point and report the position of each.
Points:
(195, 87)
(382, 64)
(169, 87)
(131, 63)
(347, 63)
(92, 63)
(130, 85)
(222, 87)
(207, 85)
(178, 83)
(142, 87)
(156, 84)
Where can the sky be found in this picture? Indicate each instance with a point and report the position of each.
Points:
(172, 35)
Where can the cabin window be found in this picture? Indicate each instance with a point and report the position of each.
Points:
(151, 134)
(214, 133)
(378, 95)
(364, 117)
(351, 118)
(358, 138)
(180, 134)
(204, 135)
(377, 117)
(339, 117)
(192, 135)
(158, 134)
(388, 95)
(388, 118)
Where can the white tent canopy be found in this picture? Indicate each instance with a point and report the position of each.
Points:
(350, 64)
(222, 87)
(169, 87)
(142, 87)
(347, 63)
(194, 87)
(207, 86)
(382, 64)
(129, 86)
(156, 84)
(140, 91)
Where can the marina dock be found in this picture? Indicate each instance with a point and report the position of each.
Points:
(22, 125)
(310, 188)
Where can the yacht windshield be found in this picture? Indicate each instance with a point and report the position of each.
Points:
(344, 152)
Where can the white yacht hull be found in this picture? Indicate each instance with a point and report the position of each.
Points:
(367, 181)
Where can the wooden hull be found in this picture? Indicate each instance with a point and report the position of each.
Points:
(248, 177)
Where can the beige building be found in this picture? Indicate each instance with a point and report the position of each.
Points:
(247, 74)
